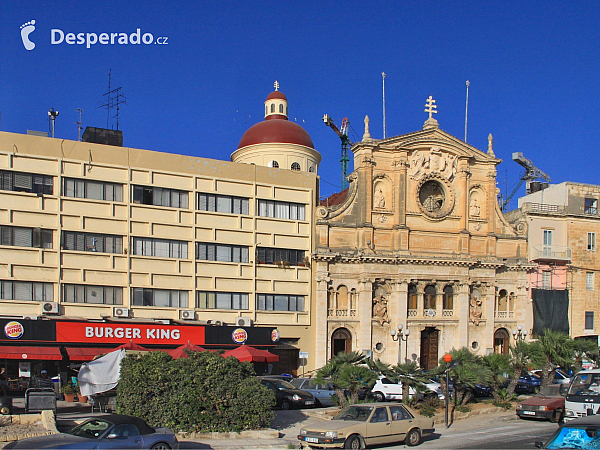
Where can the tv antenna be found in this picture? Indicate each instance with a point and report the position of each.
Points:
(52, 115)
(79, 123)
(114, 98)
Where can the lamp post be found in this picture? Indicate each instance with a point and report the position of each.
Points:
(400, 335)
(448, 360)
(519, 334)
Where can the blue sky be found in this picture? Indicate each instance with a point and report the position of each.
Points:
(533, 68)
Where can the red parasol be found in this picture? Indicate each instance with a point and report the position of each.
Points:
(247, 353)
(132, 346)
(180, 352)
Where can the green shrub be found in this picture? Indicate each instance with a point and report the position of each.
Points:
(503, 404)
(67, 389)
(427, 411)
(204, 392)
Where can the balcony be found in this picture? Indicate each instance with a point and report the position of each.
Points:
(551, 253)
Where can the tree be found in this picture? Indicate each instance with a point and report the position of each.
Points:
(499, 365)
(408, 374)
(522, 355)
(555, 349)
(345, 372)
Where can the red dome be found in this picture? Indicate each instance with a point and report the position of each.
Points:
(276, 131)
(277, 95)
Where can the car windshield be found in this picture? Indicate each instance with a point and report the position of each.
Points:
(575, 437)
(279, 384)
(91, 429)
(359, 413)
(551, 391)
(585, 384)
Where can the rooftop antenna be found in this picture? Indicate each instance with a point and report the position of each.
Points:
(383, 81)
(79, 123)
(467, 110)
(114, 98)
(52, 115)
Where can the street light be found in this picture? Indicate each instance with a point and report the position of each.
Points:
(447, 360)
(400, 336)
(519, 334)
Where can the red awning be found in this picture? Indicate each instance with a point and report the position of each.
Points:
(30, 353)
(86, 353)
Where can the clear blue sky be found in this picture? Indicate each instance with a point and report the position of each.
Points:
(533, 68)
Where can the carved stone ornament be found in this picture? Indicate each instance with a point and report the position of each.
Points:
(424, 162)
(380, 310)
(321, 212)
(476, 311)
(435, 196)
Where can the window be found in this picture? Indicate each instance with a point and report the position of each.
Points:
(429, 297)
(546, 277)
(91, 242)
(589, 320)
(162, 248)
(272, 107)
(104, 295)
(281, 210)
(25, 237)
(277, 255)
(160, 196)
(222, 300)
(26, 290)
(448, 298)
(589, 281)
(273, 164)
(96, 190)
(296, 166)
(412, 296)
(591, 242)
(311, 169)
(547, 237)
(276, 302)
(591, 206)
(160, 297)
(221, 252)
(281, 109)
(26, 182)
(223, 204)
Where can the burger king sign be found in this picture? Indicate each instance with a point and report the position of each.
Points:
(239, 335)
(13, 330)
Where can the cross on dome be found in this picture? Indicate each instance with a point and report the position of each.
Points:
(276, 84)
(430, 106)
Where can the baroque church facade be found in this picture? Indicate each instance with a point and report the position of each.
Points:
(416, 258)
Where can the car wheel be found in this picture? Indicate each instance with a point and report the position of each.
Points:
(378, 396)
(161, 446)
(5, 411)
(413, 437)
(285, 404)
(353, 442)
(556, 416)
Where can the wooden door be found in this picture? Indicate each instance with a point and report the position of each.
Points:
(429, 348)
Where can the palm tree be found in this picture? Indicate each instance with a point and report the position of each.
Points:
(555, 349)
(466, 371)
(344, 373)
(409, 375)
(522, 355)
(499, 365)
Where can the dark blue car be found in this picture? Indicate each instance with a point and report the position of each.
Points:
(528, 384)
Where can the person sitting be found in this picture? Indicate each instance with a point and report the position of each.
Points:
(45, 382)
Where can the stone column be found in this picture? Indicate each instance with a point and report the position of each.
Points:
(365, 314)
(488, 292)
(320, 314)
(398, 311)
(420, 298)
(461, 309)
(439, 299)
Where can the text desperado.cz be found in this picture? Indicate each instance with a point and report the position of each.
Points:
(58, 36)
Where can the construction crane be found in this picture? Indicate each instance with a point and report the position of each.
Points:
(346, 143)
(531, 173)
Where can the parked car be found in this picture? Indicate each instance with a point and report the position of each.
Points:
(386, 389)
(287, 395)
(321, 392)
(560, 377)
(528, 384)
(579, 433)
(548, 404)
(105, 431)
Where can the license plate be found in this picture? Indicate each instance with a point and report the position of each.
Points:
(309, 402)
(529, 413)
(311, 439)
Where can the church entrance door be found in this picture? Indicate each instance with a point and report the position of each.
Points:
(341, 341)
(501, 341)
(429, 348)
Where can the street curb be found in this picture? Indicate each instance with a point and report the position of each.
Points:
(441, 418)
(249, 434)
(45, 417)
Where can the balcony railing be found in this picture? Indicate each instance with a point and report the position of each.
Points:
(333, 313)
(505, 314)
(551, 252)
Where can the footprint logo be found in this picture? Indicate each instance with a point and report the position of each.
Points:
(26, 30)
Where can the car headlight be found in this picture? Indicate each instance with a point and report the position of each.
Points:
(331, 434)
(519, 406)
(296, 397)
(303, 431)
(542, 408)
(570, 413)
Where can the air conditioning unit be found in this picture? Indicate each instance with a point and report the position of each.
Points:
(214, 322)
(50, 308)
(243, 322)
(187, 314)
(120, 312)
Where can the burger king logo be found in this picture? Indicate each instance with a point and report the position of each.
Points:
(239, 336)
(13, 330)
(275, 335)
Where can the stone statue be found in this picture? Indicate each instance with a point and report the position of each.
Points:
(475, 209)
(379, 198)
(380, 310)
(476, 310)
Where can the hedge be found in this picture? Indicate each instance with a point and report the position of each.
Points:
(204, 392)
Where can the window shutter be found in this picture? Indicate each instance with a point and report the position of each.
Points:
(22, 181)
(22, 237)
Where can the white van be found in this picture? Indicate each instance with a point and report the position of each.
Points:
(583, 396)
